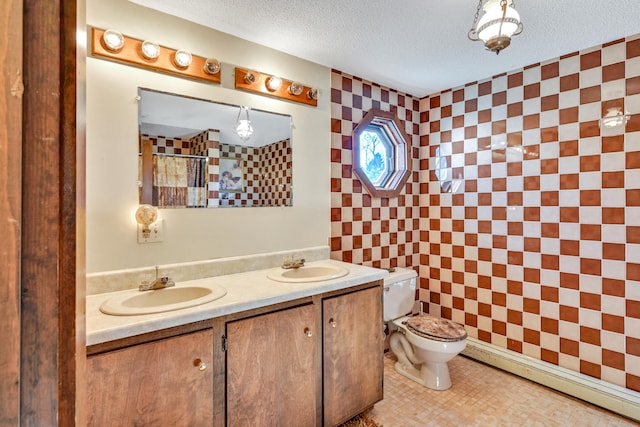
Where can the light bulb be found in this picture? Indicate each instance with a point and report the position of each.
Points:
(274, 83)
(150, 50)
(249, 78)
(182, 59)
(312, 94)
(296, 88)
(113, 40)
(212, 66)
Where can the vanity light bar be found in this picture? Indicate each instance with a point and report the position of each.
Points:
(262, 84)
(131, 53)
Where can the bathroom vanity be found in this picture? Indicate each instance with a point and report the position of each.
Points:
(267, 353)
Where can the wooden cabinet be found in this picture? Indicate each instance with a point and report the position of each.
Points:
(317, 362)
(168, 382)
(352, 354)
(304, 363)
(273, 369)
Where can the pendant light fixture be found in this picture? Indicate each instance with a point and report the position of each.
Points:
(243, 124)
(499, 23)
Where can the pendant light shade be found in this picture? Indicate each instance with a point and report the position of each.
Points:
(497, 25)
(243, 124)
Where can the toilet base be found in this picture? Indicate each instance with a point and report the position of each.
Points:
(431, 375)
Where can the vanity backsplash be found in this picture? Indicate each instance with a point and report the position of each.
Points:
(118, 280)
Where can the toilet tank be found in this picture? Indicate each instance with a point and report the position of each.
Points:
(399, 293)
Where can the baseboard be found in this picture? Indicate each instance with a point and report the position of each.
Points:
(609, 396)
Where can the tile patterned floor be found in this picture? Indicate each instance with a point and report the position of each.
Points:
(483, 396)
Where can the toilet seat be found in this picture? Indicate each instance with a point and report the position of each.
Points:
(436, 328)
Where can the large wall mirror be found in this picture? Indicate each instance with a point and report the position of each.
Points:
(191, 154)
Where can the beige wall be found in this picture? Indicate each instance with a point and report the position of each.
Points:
(112, 132)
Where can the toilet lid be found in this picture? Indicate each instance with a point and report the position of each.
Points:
(436, 328)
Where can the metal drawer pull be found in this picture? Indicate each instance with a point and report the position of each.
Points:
(332, 322)
(307, 332)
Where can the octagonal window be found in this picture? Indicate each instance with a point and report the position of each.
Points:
(381, 154)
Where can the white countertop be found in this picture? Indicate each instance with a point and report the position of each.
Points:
(245, 291)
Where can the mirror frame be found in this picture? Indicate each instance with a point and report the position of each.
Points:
(388, 123)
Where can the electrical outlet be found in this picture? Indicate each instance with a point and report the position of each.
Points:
(156, 233)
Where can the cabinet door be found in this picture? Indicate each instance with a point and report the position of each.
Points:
(273, 369)
(162, 383)
(352, 354)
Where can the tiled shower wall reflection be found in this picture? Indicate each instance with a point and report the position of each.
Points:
(532, 231)
(379, 232)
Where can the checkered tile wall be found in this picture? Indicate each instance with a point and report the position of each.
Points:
(529, 213)
(267, 175)
(275, 174)
(379, 232)
(246, 197)
(162, 144)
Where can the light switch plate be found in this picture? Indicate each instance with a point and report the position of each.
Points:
(156, 234)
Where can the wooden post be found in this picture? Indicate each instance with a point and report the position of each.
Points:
(147, 172)
(11, 92)
(52, 262)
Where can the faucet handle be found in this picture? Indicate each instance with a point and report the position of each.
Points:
(287, 261)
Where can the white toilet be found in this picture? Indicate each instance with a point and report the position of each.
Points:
(423, 344)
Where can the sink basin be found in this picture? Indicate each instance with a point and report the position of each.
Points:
(308, 273)
(133, 303)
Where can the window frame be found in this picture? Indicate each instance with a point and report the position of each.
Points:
(387, 122)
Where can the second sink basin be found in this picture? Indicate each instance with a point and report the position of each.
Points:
(308, 273)
(133, 303)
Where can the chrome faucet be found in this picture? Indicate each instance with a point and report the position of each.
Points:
(292, 262)
(158, 283)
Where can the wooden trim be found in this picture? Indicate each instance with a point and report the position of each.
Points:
(11, 91)
(52, 344)
(357, 288)
(219, 373)
(259, 87)
(148, 337)
(267, 309)
(131, 54)
(147, 172)
(71, 282)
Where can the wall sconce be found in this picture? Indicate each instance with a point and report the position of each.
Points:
(149, 55)
(113, 40)
(275, 86)
(243, 124)
(499, 23)
(145, 216)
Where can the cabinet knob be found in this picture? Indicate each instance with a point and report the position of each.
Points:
(332, 323)
(308, 332)
(202, 366)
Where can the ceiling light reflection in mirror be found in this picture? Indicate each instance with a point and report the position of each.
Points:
(185, 143)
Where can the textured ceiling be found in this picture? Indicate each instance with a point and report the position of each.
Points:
(415, 46)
